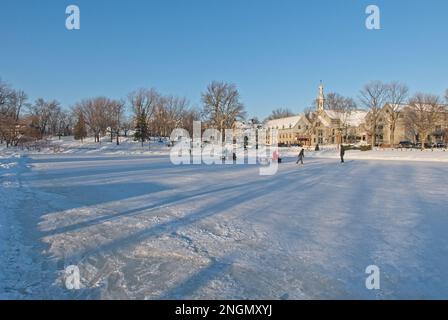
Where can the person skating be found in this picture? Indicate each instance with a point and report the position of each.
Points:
(301, 156)
(276, 157)
(342, 153)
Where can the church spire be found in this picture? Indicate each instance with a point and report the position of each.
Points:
(320, 98)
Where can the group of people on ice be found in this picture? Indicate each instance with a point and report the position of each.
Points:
(302, 154)
(276, 155)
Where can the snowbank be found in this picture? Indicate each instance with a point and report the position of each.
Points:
(68, 145)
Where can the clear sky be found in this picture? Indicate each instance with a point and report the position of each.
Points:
(274, 51)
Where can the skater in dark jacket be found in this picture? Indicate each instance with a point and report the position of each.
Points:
(342, 153)
(301, 156)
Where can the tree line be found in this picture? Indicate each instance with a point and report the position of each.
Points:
(145, 111)
(148, 113)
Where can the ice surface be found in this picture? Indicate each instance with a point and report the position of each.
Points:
(139, 227)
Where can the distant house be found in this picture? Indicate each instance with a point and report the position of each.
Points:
(288, 130)
(334, 127)
(404, 130)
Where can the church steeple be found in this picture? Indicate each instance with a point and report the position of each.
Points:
(320, 101)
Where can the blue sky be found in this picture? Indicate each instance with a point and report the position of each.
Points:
(274, 51)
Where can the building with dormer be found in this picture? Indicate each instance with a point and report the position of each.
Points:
(320, 126)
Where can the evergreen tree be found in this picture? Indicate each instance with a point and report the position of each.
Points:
(141, 129)
(80, 130)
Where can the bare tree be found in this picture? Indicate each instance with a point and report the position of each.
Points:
(6, 97)
(96, 114)
(424, 113)
(11, 104)
(333, 101)
(280, 113)
(222, 105)
(144, 103)
(373, 96)
(343, 106)
(117, 109)
(45, 115)
(8, 118)
(64, 124)
(126, 125)
(189, 116)
(18, 102)
(311, 116)
(397, 95)
(170, 114)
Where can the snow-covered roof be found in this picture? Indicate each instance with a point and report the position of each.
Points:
(283, 123)
(324, 121)
(354, 118)
(241, 124)
(333, 114)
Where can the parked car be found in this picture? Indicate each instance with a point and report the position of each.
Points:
(406, 144)
(427, 145)
(441, 145)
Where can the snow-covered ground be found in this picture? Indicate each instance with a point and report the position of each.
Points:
(139, 227)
